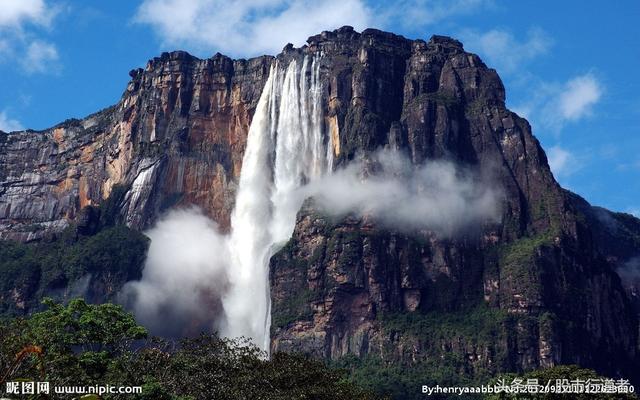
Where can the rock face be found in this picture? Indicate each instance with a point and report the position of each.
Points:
(540, 285)
(537, 289)
(176, 138)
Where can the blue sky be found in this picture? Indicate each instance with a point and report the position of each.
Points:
(570, 67)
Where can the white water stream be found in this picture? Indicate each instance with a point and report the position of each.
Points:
(286, 147)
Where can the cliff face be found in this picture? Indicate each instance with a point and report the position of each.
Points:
(176, 137)
(536, 289)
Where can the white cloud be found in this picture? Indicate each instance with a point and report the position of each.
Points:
(438, 196)
(250, 27)
(551, 106)
(578, 96)
(20, 23)
(414, 14)
(9, 125)
(505, 52)
(253, 27)
(40, 57)
(568, 102)
(14, 13)
(561, 161)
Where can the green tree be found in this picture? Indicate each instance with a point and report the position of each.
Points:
(77, 342)
(82, 344)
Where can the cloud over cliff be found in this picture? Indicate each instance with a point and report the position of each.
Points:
(438, 196)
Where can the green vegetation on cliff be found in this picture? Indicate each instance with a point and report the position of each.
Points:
(55, 267)
(94, 252)
(522, 251)
(482, 324)
(291, 309)
(433, 346)
(518, 267)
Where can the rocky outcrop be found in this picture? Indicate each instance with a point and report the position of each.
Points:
(537, 289)
(176, 137)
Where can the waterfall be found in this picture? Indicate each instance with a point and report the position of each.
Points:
(286, 148)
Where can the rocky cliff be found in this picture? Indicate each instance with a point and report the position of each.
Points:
(176, 137)
(537, 289)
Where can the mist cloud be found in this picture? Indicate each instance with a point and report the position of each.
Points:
(184, 276)
(437, 196)
(629, 272)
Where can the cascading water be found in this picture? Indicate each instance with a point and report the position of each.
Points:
(286, 148)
